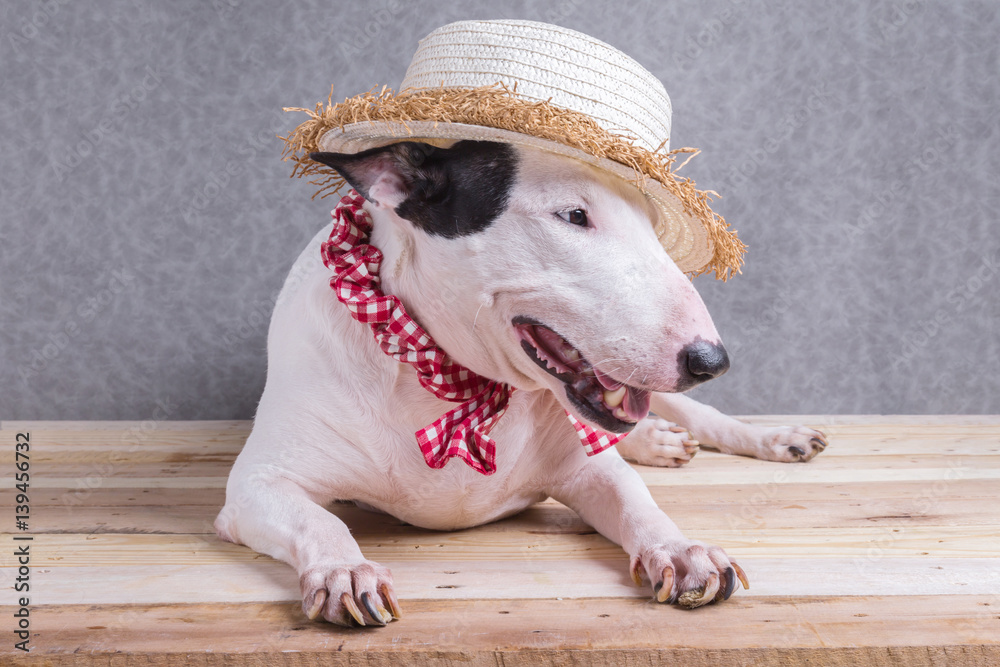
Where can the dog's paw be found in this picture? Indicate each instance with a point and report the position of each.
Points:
(349, 594)
(657, 442)
(791, 444)
(687, 572)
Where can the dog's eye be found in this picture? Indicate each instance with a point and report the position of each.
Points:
(577, 216)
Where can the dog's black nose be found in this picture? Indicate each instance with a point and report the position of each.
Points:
(706, 360)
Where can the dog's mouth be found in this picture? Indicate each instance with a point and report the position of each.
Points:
(613, 406)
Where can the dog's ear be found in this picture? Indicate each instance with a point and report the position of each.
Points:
(389, 175)
(448, 192)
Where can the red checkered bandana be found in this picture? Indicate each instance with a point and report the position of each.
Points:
(464, 431)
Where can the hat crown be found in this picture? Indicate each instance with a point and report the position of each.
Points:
(548, 63)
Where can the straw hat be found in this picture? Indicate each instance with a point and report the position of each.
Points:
(540, 85)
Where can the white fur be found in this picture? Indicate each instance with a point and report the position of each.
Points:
(337, 416)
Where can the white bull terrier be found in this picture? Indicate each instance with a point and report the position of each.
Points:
(530, 269)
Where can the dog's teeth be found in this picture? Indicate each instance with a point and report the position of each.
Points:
(621, 414)
(572, 354)
(614, 398)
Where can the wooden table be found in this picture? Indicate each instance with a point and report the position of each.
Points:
(883, 550)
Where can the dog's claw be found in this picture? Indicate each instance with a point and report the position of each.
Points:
(317, 606)
(727, 591)
(390, 598)
(741, 575)
(678, 429)
(789, 444)
(375, 610)
(352, 608)
(664, 588)
(634, 568)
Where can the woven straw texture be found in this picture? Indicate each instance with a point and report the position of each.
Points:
(547, 63)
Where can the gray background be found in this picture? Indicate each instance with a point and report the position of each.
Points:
(147, 221)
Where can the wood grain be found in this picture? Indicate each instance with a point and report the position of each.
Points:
(909, 630)
(883, 550)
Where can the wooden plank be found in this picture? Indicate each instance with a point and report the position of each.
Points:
(808, 474)
(789, 511)
(881, 551)
(97, 481)
(875, 421)
(65, 550)
(94, 473)
(72, 497)
(771, 631)
(264, 579)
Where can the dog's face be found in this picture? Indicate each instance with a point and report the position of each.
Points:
(540, 271)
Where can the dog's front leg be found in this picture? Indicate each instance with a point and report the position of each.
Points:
(610, 496)
(731, 436)
(273, 515)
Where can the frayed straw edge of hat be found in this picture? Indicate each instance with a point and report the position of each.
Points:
(498, 107)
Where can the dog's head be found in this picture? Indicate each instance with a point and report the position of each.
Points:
(537, 270)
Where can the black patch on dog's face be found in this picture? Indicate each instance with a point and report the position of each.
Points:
(447, 192)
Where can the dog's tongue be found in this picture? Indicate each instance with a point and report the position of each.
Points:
(636, 403)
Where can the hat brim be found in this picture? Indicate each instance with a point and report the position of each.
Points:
(686, 242)
(695, 237)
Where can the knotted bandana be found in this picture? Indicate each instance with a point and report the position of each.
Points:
(464, 431)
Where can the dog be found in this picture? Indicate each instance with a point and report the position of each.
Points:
(528, 268)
